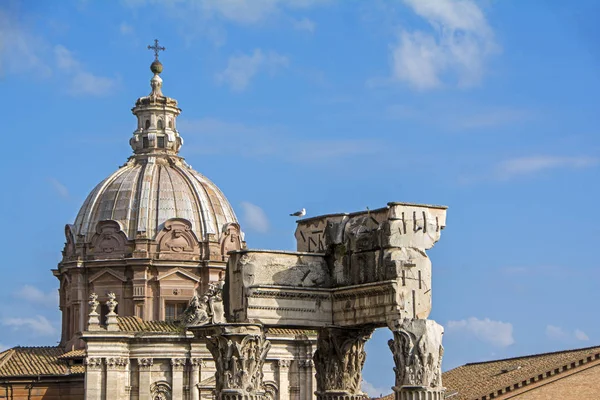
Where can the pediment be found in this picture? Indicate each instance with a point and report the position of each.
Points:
(178, 275)
(108, 274)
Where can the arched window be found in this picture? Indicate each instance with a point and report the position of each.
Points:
(160, 124)
(147, 126)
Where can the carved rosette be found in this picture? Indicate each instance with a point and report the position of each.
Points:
(93, 363)
(117, 362)
(418, 351)
(178, 364)
(145, 363)
(339, 361)
(239, 355)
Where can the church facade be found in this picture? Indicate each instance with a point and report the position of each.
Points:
(149, 237)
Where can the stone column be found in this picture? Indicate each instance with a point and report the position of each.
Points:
(116, 377)
(177, 367)
(339, 361)
(307, 379)
(239, 351)
(195, 378)
(417, 349)
(93, 378)
(145, 379)
(284, 379)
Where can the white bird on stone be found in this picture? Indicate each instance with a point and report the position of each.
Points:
(300, 213)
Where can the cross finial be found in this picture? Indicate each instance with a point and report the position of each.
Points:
(156, 49)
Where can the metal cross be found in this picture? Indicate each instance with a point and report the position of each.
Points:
(156, 49)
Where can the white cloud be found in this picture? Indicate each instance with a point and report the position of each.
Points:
(34, 295)
(373, 391)
(459, 46)
(275, 142)
(580, 335)
(305, 24)
(242, 68)
(254, 217)
(39, 325)
(533, 164)
(496, 333)
(60, 189)
(559, 334)
(82, 82)
(20, 50)
(125, 28)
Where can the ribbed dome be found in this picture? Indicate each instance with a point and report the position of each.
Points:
(147, 191)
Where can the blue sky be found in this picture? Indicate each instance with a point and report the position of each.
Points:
(489, 107)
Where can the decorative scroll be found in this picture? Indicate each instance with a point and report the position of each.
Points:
(239, 359)
(339, 360)
(418, 351)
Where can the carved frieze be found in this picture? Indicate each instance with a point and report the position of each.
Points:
(339, 360)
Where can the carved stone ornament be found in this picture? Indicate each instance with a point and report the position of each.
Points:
(145, 363)
(109, 240)
(230, 239)
(207, 309)
(177, 237)
(271, 389)
(94, 317)
(339, 361)
(160, 390)
(418, 351)
(239, 358)
(284, 364)
(111, 303)
(117, 362)
(178, 363)
(198, 362)
(93, 362)
(69, 250)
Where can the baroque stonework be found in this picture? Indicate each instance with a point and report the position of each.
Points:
(109, 241)
(177, 237)
(145, 363)
(418, 351)
(239, 359)
(339, 360)
(93, 362)
(160, 390)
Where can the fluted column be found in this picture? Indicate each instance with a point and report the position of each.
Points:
(283, 367)
(93, 378)
(145, 378)
(418, 351)
(177, 367)
(239, 351)
(339, 361)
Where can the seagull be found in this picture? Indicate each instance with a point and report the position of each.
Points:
(300, 213)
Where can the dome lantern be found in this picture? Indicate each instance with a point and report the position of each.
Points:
(156, 113)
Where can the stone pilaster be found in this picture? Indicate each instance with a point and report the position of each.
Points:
(306, 384)
(116, 377)
(197, 363)
(93, 378)
(239, 351)
(177, 368)
(145, 378)
(417, 350)
(283, 367)
(339, 361)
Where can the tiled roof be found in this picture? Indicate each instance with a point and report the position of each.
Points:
(475, 380)
(80, 353)
(32, 361)
(136, 324)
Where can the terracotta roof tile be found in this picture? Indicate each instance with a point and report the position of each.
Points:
(136, 324)
(291, 332)
(79, 353)
(32, 361)
(474, 380)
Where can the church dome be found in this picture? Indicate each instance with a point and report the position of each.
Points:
(155, 185)
(146, 192)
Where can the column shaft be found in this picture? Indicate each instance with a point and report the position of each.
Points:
(93, 378)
